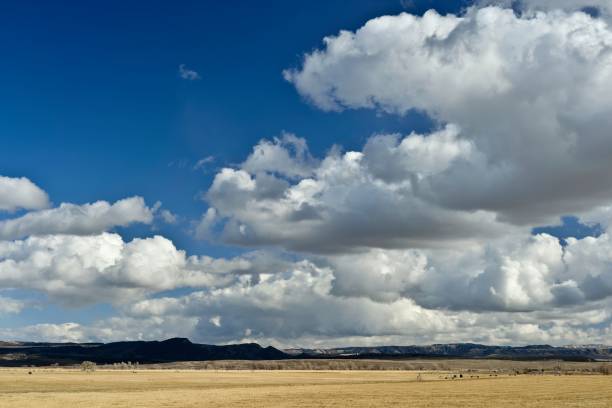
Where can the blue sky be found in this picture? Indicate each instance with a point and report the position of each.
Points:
(94, 108)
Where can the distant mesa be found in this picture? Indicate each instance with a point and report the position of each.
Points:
(182, 349)
(171, 350)
(464, 350)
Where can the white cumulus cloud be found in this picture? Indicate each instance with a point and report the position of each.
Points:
(530, 94)
(348, 201)
(79, 270)
(86, 219)
(21, 193)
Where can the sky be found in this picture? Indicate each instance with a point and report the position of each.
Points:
(308, 174)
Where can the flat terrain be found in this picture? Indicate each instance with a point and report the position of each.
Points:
(449, 365)
(187, 388)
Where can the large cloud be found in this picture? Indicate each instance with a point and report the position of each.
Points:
(531, 94)
(507, 291)
(292, 305)
(517, 274)
(21, 193)
(528, 274)
(533, 290)
(78, 270)
(84, 219)
(297, 307)
(349, 200)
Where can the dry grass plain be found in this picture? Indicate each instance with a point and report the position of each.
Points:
(196, 388)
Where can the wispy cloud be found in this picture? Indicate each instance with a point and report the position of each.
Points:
(188, 74)
(168, 217)
(203, 162)
(407, 4)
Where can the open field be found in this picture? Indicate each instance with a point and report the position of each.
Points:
(449, 365)
(190, 388)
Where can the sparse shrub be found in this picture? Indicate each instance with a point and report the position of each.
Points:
(88, 366)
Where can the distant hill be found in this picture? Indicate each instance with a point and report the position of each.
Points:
(176, 349)
(181, 349)
(463, 350)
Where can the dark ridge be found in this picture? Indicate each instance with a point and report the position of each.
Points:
(181, 349)
(176, 349)
(462, 350)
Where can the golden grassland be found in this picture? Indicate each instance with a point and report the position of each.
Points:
(458, 365)
(286, 388)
